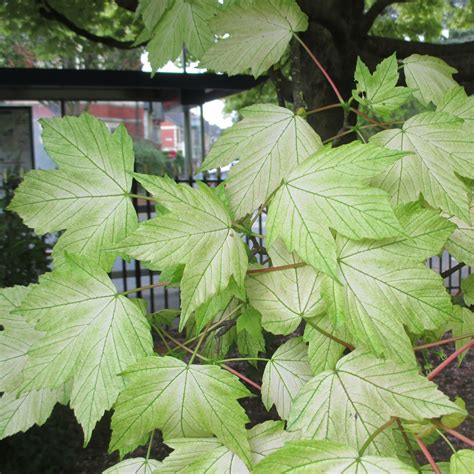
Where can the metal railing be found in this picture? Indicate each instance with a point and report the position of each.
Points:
(129, 275)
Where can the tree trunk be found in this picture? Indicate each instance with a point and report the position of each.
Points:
(332, 37)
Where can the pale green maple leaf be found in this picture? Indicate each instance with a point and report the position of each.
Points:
(462, 462)
(16, 337)
(188, 451)
(349, 403)
(324, 352)
(453, 420)
(152, 11)
(456, 102)
(253, 36)
(176, 24)
(430, 77)
(218, 303)
(325, 456)
(387, 286)
(182, 401)
(91, 334)
(285, 373)
(88, 195)
(250, 340)
(379, 91)
(134, 466)
(467, 286)
(269, 143)
(462, 325)
(331, 190)
(283, 298)
(217, 345)
(203, 456)
(438, 149)
(19, 413)
(165, 317)
(461, 242)
(267, 437)
(197, 232)
(208, 455)
(443, 467)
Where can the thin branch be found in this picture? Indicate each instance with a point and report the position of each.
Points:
(371, 438)
(449, 272)
(374, 12)
(242, 377)
(224, 366)
(456, 434)
(262, 207)
(450, 359)
(276, 269)
(366, 117)
(322, 109)
(442, 342)
(321, 68)
(162, 337)
(428, 456)
(142, 196)
(198, 345)
(407, 442)
(359, 134)
(50, 13)
(446, 440)
(339, 135)
(329, 335)
(243, 359)
(215, 326)
(147, 287)
(179, 344)
(148, 451)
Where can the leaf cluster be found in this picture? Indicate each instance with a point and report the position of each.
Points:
(345, 290)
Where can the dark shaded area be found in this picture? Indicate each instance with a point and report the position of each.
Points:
(56, 448)
(27, 253)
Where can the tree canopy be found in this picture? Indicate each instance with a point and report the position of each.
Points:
(114, 33)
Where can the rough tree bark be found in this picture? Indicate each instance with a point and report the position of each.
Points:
(339, 32)
(332, 35)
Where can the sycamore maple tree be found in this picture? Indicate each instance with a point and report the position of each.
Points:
(348, 230)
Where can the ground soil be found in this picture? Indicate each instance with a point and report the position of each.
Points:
(56, 447)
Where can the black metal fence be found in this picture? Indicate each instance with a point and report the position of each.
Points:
(130, 275)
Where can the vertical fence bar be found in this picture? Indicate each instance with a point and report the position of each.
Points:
(137, 267)
(203, 133)
(450, 278)
(188, 150)
(124, 275)
(150, 273)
